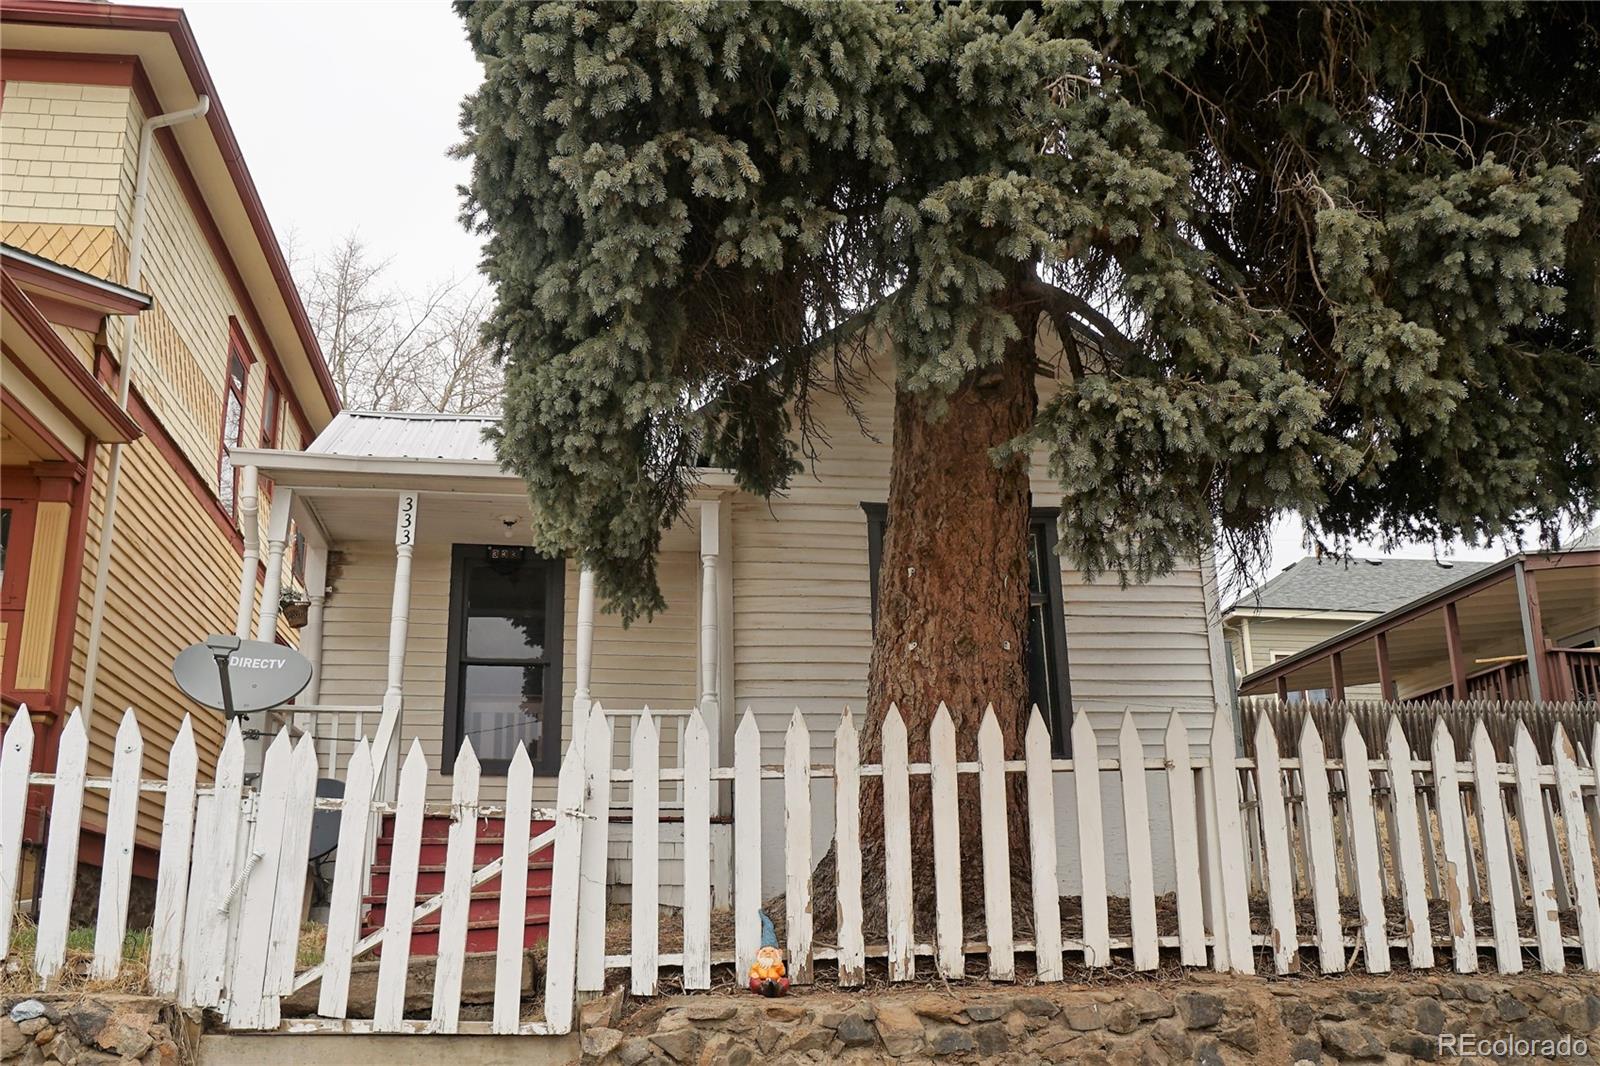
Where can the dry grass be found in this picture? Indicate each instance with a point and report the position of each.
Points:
(18, 977)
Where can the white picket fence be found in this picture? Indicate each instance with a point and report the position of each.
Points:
(1303, 830)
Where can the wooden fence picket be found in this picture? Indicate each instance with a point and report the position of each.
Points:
(1136, 824)
(1574, 816)
(1319, 828)
(746, 842)
(797, 846)
(1230, 838)
(847, 851)
(1536, 852)
(172, 873)
(219, 821)
(644, 860)
(898, 932)
(293, 855)
(1408, 849)
(511, 917)
(1275, 842)
(252, 953)
(349, 871)
(696, 853)
(16, 760)
(1363, 841)
(996, 849)
(388, 1013)
(1457, 861)
(562, 944)
(949, 932)
(61, 850)
(459, 858)
(116, 870)
(1091, 843)
(591, 972)
(1496, 852)
(1048, 963)
(1185, 844)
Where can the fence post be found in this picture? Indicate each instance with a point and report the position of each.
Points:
(797, 846)
(1136, 822)
(1496, 851)
(1091, 843)
(897, 848)
(747, 841)
(562, 946)
(1235, 904)
(591, 971)
(996, 849)
(459, 858)
(1453, 832)
(696, 853)
(1408, 867)
(344, 904)
(16, 762)
(1047, 960)
(1569, 788)
(644, 860)
(388, 1013)
(1275, 842)
(1536, 850)
(949, 932)
(1363, 844)
(1185, 844)
(61, 851)
(847, 851)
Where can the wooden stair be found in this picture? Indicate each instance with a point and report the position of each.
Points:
(483, 912)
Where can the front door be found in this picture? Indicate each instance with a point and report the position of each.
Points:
(503, 686)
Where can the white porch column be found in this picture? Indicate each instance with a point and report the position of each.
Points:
(405, 536)
(277, 541)
(584, 653)
(249, 526)
(710, 632)
(311, 636)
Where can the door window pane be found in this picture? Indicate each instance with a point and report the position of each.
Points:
(501, 707)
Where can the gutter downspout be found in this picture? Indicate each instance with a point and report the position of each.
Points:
(102, 568)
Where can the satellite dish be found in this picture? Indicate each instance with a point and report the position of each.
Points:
(240, 676)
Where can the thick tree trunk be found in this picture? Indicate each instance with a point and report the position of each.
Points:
(952, 624)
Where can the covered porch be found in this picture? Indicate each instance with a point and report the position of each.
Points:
(1524, 629)
(427, 616)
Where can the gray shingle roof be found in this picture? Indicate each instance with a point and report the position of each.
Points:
(1372, 585)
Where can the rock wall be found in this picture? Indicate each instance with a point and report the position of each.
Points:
(1196, 1018)
(91, 1029)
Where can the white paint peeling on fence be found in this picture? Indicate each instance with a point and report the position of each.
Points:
(1496, 852)
(696, 854)
(450, 965)
(949, 934)
(644, 859)
(16, 761)
(898, 935)
(1409, 868)
(205, 890)
(1136, 828)
(1363, 840)
(1275, 842)
(116, 864)
(1048, 962)
(61, 850)
(1185, 844)
(1091, 844)
(996, 848)
(847, 851)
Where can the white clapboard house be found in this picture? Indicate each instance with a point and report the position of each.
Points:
(430, 618)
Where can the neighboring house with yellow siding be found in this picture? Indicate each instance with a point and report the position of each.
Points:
(137, 242)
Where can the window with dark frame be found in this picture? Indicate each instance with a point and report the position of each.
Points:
(1048, 684)
(503, 686)
(297, 564)
(271, 415)
(232, 432)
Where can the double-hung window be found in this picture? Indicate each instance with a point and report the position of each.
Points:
(1048, 684)
(232, 432)
(503, 656)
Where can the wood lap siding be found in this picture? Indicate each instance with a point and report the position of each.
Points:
(802, 604)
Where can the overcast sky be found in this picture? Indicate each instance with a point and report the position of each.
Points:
(346, 110)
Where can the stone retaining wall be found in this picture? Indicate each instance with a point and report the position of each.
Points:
(94, 1029)
(1196, 1018)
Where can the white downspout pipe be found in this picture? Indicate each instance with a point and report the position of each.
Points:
(102, 566)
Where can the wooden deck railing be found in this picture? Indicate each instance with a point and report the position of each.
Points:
(1574, 674)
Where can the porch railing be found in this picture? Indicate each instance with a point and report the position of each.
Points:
(1574, 672)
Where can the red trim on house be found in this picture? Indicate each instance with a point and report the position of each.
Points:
(78, 68)
(235, 390)
(78, 377)
(82, 293)
(71, 594)
(64, 313)
(173, 22)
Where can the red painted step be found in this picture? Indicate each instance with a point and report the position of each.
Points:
(483, 909)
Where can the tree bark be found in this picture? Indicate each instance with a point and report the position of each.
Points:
(952, 625)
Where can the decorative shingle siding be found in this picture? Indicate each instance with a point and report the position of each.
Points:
(61, 152)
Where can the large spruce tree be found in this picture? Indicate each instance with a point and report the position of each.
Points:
(1336, 260)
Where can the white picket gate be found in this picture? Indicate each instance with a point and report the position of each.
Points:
(1388, 829)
